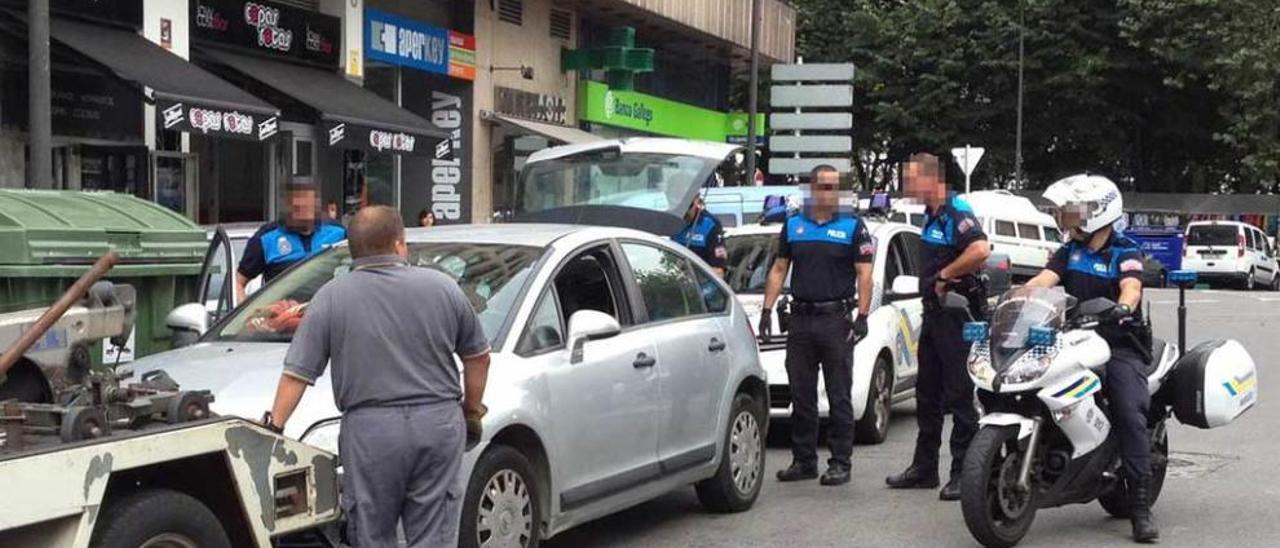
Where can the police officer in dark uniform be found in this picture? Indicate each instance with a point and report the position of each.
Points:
(831, 250)
(704, 236)
(1100, 262)
(277, 246)
(953, 250)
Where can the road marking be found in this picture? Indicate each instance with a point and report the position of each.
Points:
(1268, 299)
(1190, 301)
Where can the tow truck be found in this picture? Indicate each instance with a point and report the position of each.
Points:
(89, 460)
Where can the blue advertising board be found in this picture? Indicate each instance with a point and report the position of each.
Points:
(400, 41)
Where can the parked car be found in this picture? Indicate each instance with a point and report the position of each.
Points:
(1230, 252)
(622, 369)
(1016, 228)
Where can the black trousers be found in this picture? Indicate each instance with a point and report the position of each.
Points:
(943, 386)
(820, 341)
(1129, 399)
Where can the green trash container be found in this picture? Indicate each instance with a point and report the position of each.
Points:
(48, 238)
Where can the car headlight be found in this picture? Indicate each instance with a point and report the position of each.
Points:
(324, 435)
(1028, 368)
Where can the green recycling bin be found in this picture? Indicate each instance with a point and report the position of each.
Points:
(48, 238)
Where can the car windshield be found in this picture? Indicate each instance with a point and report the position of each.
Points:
(658, 182)
(491, 275)
(1017, 312)
(750, 256)
(1212, 235)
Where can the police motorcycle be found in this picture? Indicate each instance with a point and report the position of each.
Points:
(1045, 434)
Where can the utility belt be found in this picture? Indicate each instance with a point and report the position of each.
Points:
(822, 308)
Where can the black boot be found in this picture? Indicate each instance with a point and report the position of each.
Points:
(798, 472)
(1144, 526)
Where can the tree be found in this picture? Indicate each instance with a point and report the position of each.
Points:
(1157, 94)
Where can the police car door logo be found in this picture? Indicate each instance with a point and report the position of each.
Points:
(283, 246)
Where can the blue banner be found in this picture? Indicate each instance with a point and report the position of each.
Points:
(400, 41)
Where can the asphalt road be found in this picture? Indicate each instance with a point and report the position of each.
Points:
(1223, 487)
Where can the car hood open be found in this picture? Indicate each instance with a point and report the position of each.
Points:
(645, 184)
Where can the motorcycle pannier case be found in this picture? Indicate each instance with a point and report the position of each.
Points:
(1213, 384)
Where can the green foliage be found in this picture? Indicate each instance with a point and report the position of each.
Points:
(1161, 95)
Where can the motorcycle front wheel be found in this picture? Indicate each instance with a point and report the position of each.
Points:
(1116, 501)
(996, 511)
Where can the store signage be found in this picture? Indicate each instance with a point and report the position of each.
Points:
(649, 114)
(400, 41)
(83, 105)
(352, 136)
(267, 28)
(539, 107)
(176, 116)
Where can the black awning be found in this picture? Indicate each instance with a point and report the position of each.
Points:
(353, 117)
(188, 97)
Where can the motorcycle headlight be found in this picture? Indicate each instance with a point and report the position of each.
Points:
(324, 435)
(1028, 368)
(980, 365)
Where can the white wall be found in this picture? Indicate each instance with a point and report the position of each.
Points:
(351, 56)
(178, 14)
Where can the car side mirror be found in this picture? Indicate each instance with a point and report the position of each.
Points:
(589, 325)
(187, 322)
(904, 287)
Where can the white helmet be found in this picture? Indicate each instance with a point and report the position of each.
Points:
(1093, 201)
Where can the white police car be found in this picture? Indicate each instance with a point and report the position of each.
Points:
(884, 362)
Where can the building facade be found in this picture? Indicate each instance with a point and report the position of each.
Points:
(211, 106)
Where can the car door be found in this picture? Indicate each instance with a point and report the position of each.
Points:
(603, 406)
(692, 369)
(904, 258)
(217, 276)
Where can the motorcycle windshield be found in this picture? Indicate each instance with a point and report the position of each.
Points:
(1017, 312)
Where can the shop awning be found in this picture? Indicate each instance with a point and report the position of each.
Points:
(353, 117)
(553, 132)
(188, 97)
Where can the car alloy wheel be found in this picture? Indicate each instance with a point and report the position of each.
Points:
(884, 400)
(744, 452)
(505, 517)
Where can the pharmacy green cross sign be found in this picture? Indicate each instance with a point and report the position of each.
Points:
(618, 57)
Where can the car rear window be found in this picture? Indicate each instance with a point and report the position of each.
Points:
(1212, 235)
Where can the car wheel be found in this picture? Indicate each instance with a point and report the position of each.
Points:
(1248, 281)
(874, 426)
(737, 482)
(502, 507)
(1275, 282)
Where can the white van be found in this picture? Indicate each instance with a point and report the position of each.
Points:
(1230, 252)
(1016, 228)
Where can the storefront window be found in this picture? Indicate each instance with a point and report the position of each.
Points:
(380, 176)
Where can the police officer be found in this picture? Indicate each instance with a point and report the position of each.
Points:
(276, 246)
(953, 250)
(704, 236)
(1098, 261)
(830, 250)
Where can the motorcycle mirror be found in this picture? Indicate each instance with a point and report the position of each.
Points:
(955, 301)
(1095, 307)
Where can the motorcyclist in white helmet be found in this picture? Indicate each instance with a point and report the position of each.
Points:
(1098, 261)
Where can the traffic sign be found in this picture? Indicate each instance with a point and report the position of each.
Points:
(967, 157)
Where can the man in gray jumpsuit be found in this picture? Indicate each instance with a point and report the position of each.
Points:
(391, 331)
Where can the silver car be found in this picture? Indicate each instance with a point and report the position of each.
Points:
(622, 367)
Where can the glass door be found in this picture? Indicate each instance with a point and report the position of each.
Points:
(173, 177)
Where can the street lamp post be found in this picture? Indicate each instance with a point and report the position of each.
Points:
(39, 125)
(1017, 158)
(752, 92)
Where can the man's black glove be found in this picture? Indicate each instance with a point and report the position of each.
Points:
(859, 328)
(1121, 314)
(765, 328)
(475, 428)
